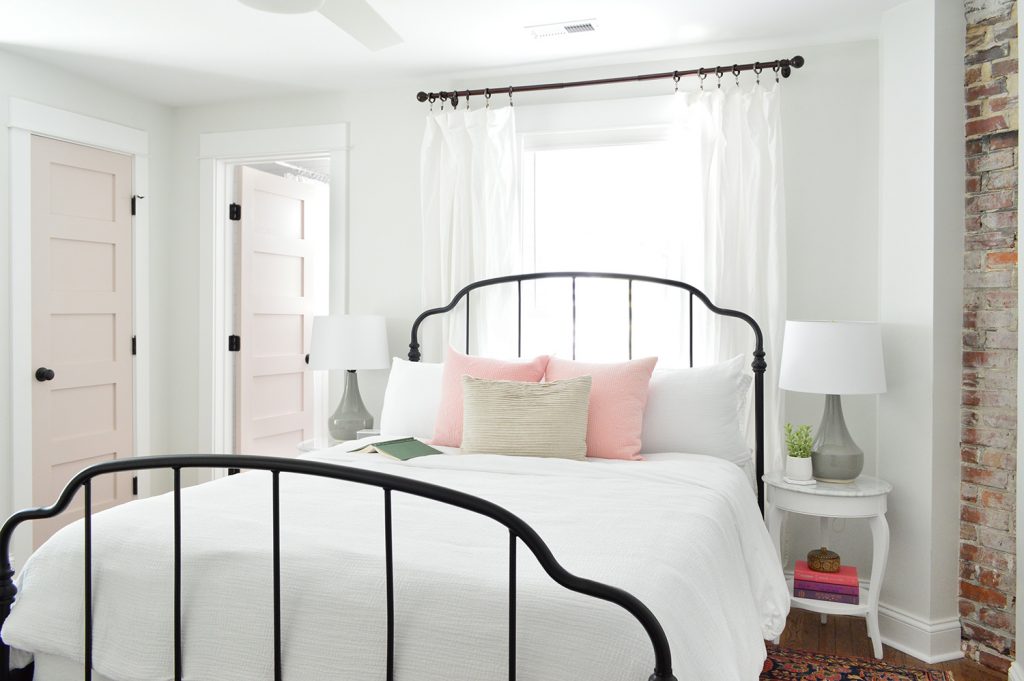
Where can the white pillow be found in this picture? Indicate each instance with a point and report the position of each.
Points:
(411, 399)
(699, 411)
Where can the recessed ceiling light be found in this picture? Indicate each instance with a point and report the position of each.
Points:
(285, 6)
(562, 28)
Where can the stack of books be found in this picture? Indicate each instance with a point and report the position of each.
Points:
(838, 587)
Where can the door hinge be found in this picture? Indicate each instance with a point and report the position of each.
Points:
(234, 212)
(234, 343)
(135, 196)
(135, 347)
(135, 485)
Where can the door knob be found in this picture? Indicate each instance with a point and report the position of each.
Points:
(44, 374)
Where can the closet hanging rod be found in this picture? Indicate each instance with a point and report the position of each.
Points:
(784, 67)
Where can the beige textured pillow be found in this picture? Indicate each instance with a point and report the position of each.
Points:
(527, 419)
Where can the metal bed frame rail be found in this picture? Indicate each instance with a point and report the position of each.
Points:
(519, 531)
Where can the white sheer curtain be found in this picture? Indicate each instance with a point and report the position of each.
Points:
(744, 226)
(470, 207)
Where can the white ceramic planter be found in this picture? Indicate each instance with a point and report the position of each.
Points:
(798, 469)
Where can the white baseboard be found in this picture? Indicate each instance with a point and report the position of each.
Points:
(931, 642)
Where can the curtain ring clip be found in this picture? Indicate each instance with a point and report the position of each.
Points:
(736, 73)
(510, 102)
(487, 98)
(718, 74)
(675, 77)
(757, 71)
(703, 76)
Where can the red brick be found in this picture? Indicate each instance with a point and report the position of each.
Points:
(972, 185)
(999, 179)
(984, 476)
(997, 104)
(974, 147)
(982, 126)
(992, 499)
(1002, 258)
(983, 594)
(976, 92)
(1003, 140)
(1002, 220)
(994, 661)
(989, 54)
(972, 75)
(993, 160)
(967, 608)
(1004, 67)
(997, 200)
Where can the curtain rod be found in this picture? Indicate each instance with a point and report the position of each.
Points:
(783, 67)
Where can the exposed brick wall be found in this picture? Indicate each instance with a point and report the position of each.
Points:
(989, 404)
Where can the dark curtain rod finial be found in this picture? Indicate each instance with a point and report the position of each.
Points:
(783, 67)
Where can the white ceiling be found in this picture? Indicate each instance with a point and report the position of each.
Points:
(181, 52)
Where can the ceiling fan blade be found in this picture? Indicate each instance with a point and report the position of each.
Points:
(362, 22)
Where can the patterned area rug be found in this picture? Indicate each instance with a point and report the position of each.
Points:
(784, 664)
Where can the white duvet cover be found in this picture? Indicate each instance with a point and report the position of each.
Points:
(684, 536)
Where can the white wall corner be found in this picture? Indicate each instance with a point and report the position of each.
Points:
(1016, 672)
(931, 642)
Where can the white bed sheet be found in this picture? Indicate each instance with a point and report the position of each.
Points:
(681, 534)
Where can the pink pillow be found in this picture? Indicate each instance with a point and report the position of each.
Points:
(448, 426)
(618, 395)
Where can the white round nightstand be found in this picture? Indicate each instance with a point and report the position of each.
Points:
(865, 497)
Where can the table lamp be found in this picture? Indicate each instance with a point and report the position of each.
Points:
(349, 342)
(833, 358)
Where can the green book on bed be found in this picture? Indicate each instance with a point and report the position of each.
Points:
(402, 449)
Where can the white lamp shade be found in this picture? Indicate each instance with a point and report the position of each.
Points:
(349, 342)
(832, 358)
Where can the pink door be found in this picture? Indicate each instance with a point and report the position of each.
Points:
(81, 322)
(280, 231)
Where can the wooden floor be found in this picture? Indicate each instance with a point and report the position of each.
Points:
(848, 636)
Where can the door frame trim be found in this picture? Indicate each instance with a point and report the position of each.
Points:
(27, 119)
(218, 151)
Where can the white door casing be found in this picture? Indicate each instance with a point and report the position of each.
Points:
(218, 152)
(282, 233)
(81, 322)
(25, 119)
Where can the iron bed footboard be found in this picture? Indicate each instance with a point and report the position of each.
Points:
(518, 530)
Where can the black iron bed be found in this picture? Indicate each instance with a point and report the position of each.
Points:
(519, 531)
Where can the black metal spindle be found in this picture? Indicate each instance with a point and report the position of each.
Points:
(519, 319)
(630, 304)
(276, 476)
(87, 488)
(467, 323)
(389, 567)
(511, 606)
(691, 329)
(574, 317)
(177, 575)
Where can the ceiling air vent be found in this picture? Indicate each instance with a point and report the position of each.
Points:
(562, 28)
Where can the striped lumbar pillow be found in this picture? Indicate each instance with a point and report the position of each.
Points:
(528, 419)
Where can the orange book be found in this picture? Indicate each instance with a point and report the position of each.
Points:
(847, 575)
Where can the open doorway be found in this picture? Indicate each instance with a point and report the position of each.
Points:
(303, 155)
(276, 281)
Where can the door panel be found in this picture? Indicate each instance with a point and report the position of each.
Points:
(282, 227)
(81, 321)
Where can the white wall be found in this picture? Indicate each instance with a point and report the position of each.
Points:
(27, 79)
(920, 304)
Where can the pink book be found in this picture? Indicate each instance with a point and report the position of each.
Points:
(830, 588)
(847, 575)
(825, 596)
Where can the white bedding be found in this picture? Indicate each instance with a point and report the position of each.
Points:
(683, 535)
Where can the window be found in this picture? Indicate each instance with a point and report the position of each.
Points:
(616, 202)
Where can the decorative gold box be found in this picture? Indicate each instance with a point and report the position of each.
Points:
(823, 560)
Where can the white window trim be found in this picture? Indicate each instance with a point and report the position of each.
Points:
(26, 119)
(218, 151)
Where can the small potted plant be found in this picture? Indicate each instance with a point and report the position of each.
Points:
(798, 463)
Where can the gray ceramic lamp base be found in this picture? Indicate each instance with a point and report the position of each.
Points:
(835, 457)
(351, 415)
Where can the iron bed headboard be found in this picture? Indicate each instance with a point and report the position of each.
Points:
(759, 365)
